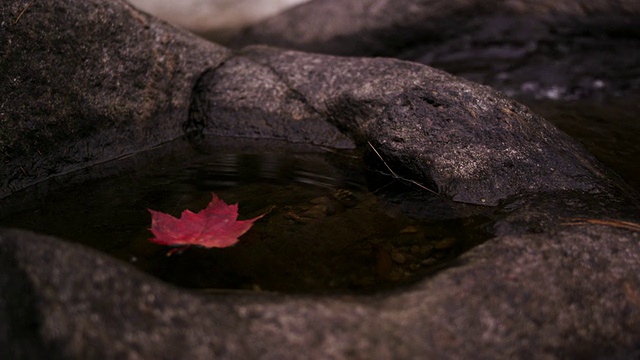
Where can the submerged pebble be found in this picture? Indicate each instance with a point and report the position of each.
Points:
(445, 243)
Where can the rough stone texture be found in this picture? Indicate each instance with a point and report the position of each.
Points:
(87, 81)
(569, 49)
(570, 294)
(467, 141)
(84, 82)
(580, 55)
(404, 108)
(244, 98)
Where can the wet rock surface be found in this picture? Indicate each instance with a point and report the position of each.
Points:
(114, 81)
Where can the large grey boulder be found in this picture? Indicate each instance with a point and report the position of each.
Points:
(89, 81)
(570, 294)
(75, 93)
(574, 61)
(468, 141)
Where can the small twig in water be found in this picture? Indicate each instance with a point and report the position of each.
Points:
(398, 176)
(614, 223)
(22, 12)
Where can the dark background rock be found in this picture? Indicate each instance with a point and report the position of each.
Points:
(387, 28)
(90, 81)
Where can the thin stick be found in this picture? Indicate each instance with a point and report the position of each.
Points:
(614, 223)
(22, 12)
(398, 176)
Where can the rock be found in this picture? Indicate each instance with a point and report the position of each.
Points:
(557, 50)
(397, 257)
(464, 140)
(574, 61)
(243, 95)
(88, 81)
(406, 110)
(445, 243)
(94, 89)
(372, 27)
(576, 296)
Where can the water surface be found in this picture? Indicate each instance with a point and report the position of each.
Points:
(330, 225)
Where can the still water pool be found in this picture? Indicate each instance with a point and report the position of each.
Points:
(332, 225)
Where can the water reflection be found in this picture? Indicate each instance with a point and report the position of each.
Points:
(224, 170)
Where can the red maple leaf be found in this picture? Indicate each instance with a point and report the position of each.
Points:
(215, 226)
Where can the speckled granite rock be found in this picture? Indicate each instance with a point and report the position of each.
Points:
(88, 81)
(84, 82)
(571, 294)
(470, 142)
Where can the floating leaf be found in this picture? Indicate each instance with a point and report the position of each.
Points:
(215, 226)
